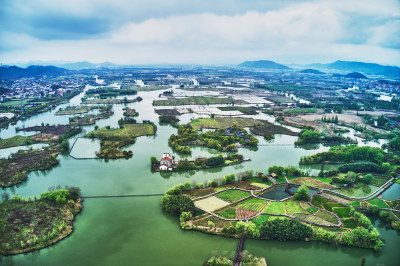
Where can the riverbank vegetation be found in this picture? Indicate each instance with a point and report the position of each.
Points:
(309, 136)
(111, 101)
(245, 259)
(14, 170)
(168, 119)
(268, 130)
(86, 120)
(113, 139)
(31, 224)
(75, 110)
(104, 92)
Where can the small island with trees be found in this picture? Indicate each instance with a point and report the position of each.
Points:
(29, 224)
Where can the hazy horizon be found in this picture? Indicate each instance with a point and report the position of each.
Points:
(200, 32)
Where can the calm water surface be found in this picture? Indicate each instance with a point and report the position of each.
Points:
(134, 231)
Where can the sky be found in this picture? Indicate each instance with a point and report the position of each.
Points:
(200, 31)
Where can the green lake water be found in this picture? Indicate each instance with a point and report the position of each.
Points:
(135, 231)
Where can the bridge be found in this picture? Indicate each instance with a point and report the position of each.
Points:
(122, 196)
(276, 144)
(239, 250)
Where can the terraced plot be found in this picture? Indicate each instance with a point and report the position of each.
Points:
(324, 203)
(313, 219)
(233, 195)
(349, 223)
(378, 202)
(275, 208)
(311, 182)
(260, 219)
(327, 217)
(257, 207)
(342, 212)
(293, 206)
(211, 204)
(228, 214)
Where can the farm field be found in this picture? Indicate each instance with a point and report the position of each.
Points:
(128, 131)
(211, 203)
(378, 202)
(293, 206)
(357, 192)
(275, 208)
(324, 203)
(13, 142)
(232, 195)
(311, 182)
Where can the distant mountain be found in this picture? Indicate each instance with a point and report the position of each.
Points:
(355, 75)
(312, 71)
(365, 68)
(87, 65)
(14, 72)
(263, 64)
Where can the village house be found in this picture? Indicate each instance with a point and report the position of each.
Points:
(167, 162)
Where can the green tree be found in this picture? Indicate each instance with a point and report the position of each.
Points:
(386, 167)
(302, 193)
(284, 230)
(64, 146)
(176, 204)
(240, 226)
(368, 178)
(153, 160)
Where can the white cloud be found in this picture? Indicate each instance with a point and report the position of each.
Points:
(306, 32)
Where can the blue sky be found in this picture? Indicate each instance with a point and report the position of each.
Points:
(200, 31)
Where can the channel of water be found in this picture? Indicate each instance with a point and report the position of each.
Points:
(126, 231)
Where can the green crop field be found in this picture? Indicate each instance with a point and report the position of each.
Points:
(342, 212)
(349, 223)
(219, 122)
(275, 208)
(228, 214)
(257, 207)
(327, 217)
(293, 206)
(260, 219)
(254, 200)
(232, 195)
(312, 209)
(313, 218)
(378, 202)
(324, 203)
(13, 142)
(15, 103)
(128, 131)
